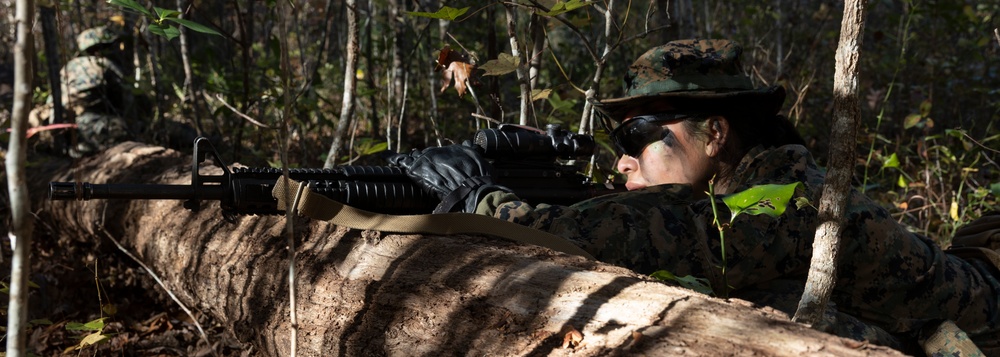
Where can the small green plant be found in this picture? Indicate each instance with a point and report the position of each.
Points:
(764, 199)
(771, 200)
(96, 335)
(700, 285)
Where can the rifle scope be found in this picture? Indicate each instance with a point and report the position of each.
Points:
(515, 141)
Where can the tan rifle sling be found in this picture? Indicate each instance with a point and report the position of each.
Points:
(317, 206)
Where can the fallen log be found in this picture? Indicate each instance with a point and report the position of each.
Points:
(372, 293)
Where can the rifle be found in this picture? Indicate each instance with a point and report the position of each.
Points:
(526, 160)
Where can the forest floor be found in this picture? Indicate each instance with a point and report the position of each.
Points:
(137, 318)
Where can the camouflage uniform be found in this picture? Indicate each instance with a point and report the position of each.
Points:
(93, 92)
(889, 279)
(887, 276)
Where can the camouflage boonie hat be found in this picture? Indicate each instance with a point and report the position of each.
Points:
(694, 75)
(96, 36)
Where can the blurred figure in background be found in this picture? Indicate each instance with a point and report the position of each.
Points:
(94, 94)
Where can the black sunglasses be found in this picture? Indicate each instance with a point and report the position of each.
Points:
(631, 137)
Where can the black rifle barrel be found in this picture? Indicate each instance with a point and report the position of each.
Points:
(524, 159)
(88, 191)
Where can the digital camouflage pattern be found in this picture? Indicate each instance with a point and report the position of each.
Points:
(92, 89)
(690, 73)
(91, 83)
(687, 65)
(887, 277)
(96, 36)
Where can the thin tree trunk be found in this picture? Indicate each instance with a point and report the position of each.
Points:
(836, 191)
(537, 30)
(190, 99)
(587, 118)
(398, 75)
(350, 81)
(152, 57)
(287, 112)
(370, 67)
(522, 75)
(50, 36)
(22, 223)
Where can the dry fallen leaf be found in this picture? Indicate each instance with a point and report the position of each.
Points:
(455, 67)
(572, 338)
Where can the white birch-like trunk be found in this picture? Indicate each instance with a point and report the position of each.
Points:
(17, 184)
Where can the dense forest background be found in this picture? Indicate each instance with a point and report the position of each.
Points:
(928, 68)
(269, 89)
(929, 74)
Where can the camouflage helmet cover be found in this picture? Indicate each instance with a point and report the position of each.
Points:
(692, 75)
(96, 36)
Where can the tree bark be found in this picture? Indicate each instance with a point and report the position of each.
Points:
(522, 76)
(190, 100)
(837, 189)
(22, 223)
(350, 82)
(372, 293)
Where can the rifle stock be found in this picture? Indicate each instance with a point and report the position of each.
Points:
(525, 160)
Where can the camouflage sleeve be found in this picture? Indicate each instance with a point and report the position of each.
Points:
(897, 279)
(644, 230)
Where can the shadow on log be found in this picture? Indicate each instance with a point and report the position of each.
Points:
(372, 293)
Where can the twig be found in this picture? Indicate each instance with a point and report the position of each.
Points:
(996, 32)
(291, 264)
(984, 148)
(491, 120)
(240, 114)
(187, 311)
(470, 53)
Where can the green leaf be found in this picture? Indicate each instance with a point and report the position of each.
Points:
(373, 148)
(446, 13)
(131, 5)
(764, 199)
(925, 108)
(561, 105)
(95, 325)
(562, 7)
(505, 63)
(40, 322)
(537, 94)
(194, 26)
(956, 133)
(902, 182)
(167, 31)
(163, 14)
(911, 121)
(995, 189)
(891, 162)
(91, 339)
(802, 202)
(700, 285)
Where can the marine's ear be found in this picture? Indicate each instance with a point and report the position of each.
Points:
(718, 135)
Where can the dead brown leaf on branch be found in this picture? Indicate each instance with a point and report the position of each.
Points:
(454, 65)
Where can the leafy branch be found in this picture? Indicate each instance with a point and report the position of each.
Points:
(160, 19)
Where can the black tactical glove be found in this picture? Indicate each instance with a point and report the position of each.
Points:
(457, 173)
